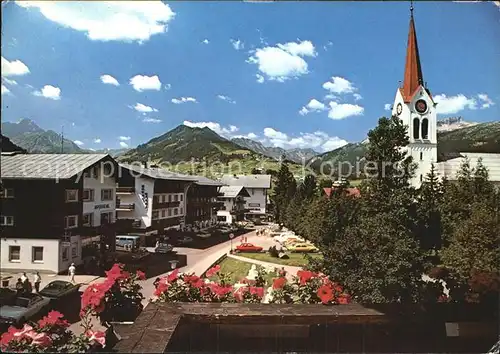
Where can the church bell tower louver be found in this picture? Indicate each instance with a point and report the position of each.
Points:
(416, 108)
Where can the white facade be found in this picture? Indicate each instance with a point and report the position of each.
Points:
(256, 203)
(99, 197)
(43, 255)
(423, 141)
(491, 161)
(227, 215)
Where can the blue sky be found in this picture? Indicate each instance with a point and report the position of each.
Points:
(292, 74)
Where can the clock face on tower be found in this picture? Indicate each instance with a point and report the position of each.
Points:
(421, 106)
(399, 109)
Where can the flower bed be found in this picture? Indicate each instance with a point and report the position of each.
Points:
(50, 334)
(306, 288)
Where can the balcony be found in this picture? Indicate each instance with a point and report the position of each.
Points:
(125, 206)
(165, 205)
(125, 190)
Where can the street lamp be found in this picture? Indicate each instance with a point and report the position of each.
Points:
(231, 236)
(173, 264)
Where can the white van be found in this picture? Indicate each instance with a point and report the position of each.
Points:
(127, 242)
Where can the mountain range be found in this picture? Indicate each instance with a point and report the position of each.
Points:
(296, 155)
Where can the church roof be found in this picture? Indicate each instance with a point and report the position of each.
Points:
(413, 77)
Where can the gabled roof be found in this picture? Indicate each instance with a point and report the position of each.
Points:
(205, 181)
(233, 191)
(248, 181)
(350, 191)
(46, 166)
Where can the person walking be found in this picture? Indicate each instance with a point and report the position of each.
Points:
(19, 286)
(71, 272)
(24, 277)
(37, 279)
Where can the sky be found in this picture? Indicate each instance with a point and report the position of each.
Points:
(289, 74)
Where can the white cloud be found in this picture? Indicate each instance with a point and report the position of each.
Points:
(97, 140)
(329, 44)
(282, 62)
(237, 44)
(151, 120)
(260, 78)
(252, 136)
(246, 136)
(5, 90)
(139, 107)
(108, 20)
(357, 96)
(344, 110)
(123, 144)
(183, 100)
(454, 104)
(110, 80)
(142, 83)
(167, 86)
(313, 106)
(338, 85)
(14, 68)
(319, 141)
(205, 41)
(227, 132)
(49, 91)
(226, 98)
(78, 142)
(9, 82)
(486, 102)
(387, 106)
(124, 138)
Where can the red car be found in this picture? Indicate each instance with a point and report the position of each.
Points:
(248, 247)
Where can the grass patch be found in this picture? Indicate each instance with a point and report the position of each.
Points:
(238, 270)
(295, 260)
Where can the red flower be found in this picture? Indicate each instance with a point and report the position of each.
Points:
(93, 296)
(212, 271)
(194, 280)
(219, 290)
(8, 336)
(53, 318)
(304, 276)
(257, 291)
(116, 272)
(140, 275)
(41, 339)
(238, 294)
(344, 299)
(279, 283)
(172, 276)
(325, 294)
(97, 336)
(161, 288)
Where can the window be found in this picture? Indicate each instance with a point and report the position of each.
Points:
(176, 198)
(421, 156)
(182, 197)
(71, 195)
(14, 253)
(155, 215)
(169, 198)
(6, 220)
(74, 251)
(416, 128)
(421, 178)
(106, 218)
(8, 193)
(163, 213)
(253, 191)
(163, 198)
(71, 221)
(169, 212)
(36, 254)
(88, 219)
(181, 210)
(88, 195)
(425, 128)
(65, 253)
(107, 194)
(176, 211)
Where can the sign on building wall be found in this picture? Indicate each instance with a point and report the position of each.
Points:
(101, 206)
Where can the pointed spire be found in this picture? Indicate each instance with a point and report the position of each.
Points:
(413, 77)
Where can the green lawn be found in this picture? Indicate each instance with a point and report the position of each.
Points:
(239, 270)
(296, 259)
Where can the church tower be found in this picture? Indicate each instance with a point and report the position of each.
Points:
(415, 107)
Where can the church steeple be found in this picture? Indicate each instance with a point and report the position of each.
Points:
(413, 77)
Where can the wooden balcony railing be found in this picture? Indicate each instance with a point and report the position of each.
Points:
(125, 190)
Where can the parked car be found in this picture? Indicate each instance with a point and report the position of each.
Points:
(7, 296)
(248, 247)
(164, 248)
(25, 307)
(302, 247)
(184, 239)
(203, 235)
(59, 289)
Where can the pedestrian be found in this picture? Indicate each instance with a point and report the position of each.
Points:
(27, 288)
(282, 272)
(24, 277)
(19, 286)
(156, 282)
(37, 279)
(71, 272)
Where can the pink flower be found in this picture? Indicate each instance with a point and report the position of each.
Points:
(212, 271)
(172, 276)
(257, 291)
(41, 339)
(22, 333)
(97, 336)
(140, 275)
(54, 318)
(8, 336)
